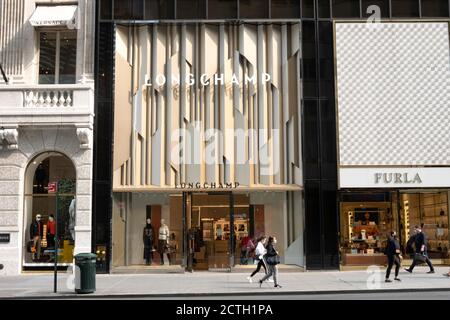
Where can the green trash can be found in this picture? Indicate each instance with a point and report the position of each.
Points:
(85, 264)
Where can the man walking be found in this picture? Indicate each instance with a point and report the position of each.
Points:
(420, 255)
(394, 256)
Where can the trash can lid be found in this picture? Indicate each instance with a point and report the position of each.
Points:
(85, 256)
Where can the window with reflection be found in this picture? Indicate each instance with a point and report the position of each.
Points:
(369, 8)
(285, 9)
(222, 9)
(254, 9)
(57, 57)
(405, 8)
(435, 8)
(191, 9)
(346, 9)
(159, 9)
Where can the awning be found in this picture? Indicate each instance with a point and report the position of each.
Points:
(54, 16)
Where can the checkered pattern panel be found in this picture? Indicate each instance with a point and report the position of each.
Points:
(393, 82)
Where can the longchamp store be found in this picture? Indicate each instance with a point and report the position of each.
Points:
(393, 149)
(207, 150)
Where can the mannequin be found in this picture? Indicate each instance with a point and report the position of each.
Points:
(72, 219)
(163, 241)
(51, 231)
(36, 232)
(148, 242)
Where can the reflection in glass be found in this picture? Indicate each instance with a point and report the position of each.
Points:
(68, 58)
(285, 9)
(47, 57)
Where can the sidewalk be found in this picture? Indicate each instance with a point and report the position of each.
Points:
(210, 283)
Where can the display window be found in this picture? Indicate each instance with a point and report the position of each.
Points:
(430, 211)
(216, 231)
(365, 226)
(50, 211)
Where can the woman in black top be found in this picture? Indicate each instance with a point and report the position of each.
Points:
(394, 256)
(270, 257)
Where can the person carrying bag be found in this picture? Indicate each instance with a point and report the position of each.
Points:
(272, 259)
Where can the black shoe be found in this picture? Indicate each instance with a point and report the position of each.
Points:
(388, 280)
(397, 279)
(431, 271)
(260, 283)
(406, 269)
(278, 286)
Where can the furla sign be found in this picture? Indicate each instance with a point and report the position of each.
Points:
(394, 177)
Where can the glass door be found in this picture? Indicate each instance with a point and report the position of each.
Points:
(211, 231)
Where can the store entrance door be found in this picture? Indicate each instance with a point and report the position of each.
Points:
(210, 230)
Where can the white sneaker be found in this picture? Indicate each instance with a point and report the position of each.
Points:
(270, 280)
(250, 280)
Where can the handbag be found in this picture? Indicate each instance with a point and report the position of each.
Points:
(273, 260)
(420, 257)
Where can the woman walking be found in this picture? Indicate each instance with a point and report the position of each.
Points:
(260, 251)
(394, 256)
(272, 259)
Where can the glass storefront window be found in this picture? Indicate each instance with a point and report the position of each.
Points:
(366, 224)
(364, 230)
(220, 229)
(429, 210)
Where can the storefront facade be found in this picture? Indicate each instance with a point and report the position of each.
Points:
(46, 133)
(209, 142)
(393, 139)
(180, 28)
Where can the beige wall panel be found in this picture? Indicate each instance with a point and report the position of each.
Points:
(122, 108)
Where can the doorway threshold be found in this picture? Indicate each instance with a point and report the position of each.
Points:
(144, 269)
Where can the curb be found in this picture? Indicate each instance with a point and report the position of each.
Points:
(66, 296)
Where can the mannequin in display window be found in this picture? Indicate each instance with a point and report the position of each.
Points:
(163, 241)
(72, 219)
(148, 242)
(36, 232)
(51, 231)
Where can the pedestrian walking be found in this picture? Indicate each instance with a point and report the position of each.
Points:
(394, 256)
(260, 251)
(272, 260)
(420, 246)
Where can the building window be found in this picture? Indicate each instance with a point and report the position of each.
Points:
(57, 57)
(435, 8)
(405, 8)
(324, 8)
(130, 9)
(159, 9)
(285, 9)
(222, 9)
(191, 9)
(346, 9)
(383, 6)
(254, 9)
(308, 8)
